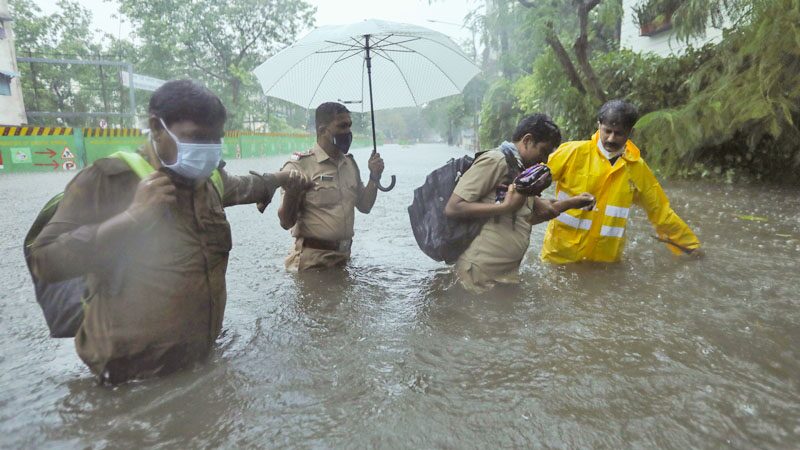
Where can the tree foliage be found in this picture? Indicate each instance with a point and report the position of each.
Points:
(500, 113)
(536, 28)
(649, 81)
(65, 34)
(216, 42)
(743, 104)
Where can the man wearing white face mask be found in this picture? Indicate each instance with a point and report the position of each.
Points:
(610, 167)
(150, 235)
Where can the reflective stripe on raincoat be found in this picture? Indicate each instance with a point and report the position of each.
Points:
(599, 235)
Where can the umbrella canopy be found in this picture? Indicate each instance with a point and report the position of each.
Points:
(411, 65)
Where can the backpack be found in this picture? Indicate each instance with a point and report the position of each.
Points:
(62, 301)
(441, 238)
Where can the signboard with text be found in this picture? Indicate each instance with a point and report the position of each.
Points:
(142, 82)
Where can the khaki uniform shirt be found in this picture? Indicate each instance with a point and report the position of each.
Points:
(496, 253)
(327, 211)
(155, 301)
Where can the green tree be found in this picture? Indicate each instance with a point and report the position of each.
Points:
(217, 42)
(743, 109)
(65, 34)
(692, 18)
(533, 35)
(586, 12)
(499, 115)
(449, 115)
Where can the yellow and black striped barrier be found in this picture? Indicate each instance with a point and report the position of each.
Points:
(111, 132)
(35, 131)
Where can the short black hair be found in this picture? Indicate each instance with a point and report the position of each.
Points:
(541, 127)
(326, 112)
(618, 112)
(179, 100)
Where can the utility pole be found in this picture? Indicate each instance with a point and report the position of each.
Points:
(103, 88)
(35, 87)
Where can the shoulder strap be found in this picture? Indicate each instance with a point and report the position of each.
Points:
(216, 180)
(142, 168)
(136, 162)
(514, 167)
(479, 154)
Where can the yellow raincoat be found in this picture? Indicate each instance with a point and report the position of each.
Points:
(599, 235)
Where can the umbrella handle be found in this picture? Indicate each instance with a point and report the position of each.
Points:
(387, 188)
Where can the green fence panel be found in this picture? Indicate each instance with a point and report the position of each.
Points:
(230, 147)
(104, 145)
(38, 149)
(32, 149)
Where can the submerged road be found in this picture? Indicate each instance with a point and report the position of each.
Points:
(656, 351)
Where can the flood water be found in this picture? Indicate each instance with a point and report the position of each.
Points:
(656, 351)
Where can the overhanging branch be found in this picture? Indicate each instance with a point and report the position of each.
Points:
(563, 57)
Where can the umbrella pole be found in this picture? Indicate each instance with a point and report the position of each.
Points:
(372, 115)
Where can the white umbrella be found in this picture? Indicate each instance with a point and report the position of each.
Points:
(413, 65)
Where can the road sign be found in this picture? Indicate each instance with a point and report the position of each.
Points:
(69, 165)
(142, 82)
(66, 154)
(21, 155)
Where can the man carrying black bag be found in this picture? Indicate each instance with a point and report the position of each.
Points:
(487, 190)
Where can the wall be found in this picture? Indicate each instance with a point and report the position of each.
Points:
(662, 44)
(12, 108)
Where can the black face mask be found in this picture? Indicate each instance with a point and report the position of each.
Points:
(342, 141)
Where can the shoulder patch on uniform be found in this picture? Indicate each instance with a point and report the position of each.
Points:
(297, 155)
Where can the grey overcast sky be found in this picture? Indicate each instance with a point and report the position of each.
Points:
(331, 12)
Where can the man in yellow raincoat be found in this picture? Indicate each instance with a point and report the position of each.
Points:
(610, 167)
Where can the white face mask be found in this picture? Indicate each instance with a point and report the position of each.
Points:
(194, 161)
(607, 153)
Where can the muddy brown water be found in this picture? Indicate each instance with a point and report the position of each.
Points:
(656, 351)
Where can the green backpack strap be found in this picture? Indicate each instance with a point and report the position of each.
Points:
(136, 162)
(142, 168)
(216, 180)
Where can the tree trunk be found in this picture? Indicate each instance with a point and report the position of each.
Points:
(581, 48)
(563, 57)
(236, 91)
(236, 85)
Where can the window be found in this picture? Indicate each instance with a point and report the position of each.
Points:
(5, 85)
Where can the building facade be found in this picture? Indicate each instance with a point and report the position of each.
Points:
(12, 107)
(659, 37)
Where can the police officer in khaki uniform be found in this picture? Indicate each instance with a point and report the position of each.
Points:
(496, 253)
(323, 190)
(154, 251)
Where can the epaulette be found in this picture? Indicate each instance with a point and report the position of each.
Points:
(297, 155)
